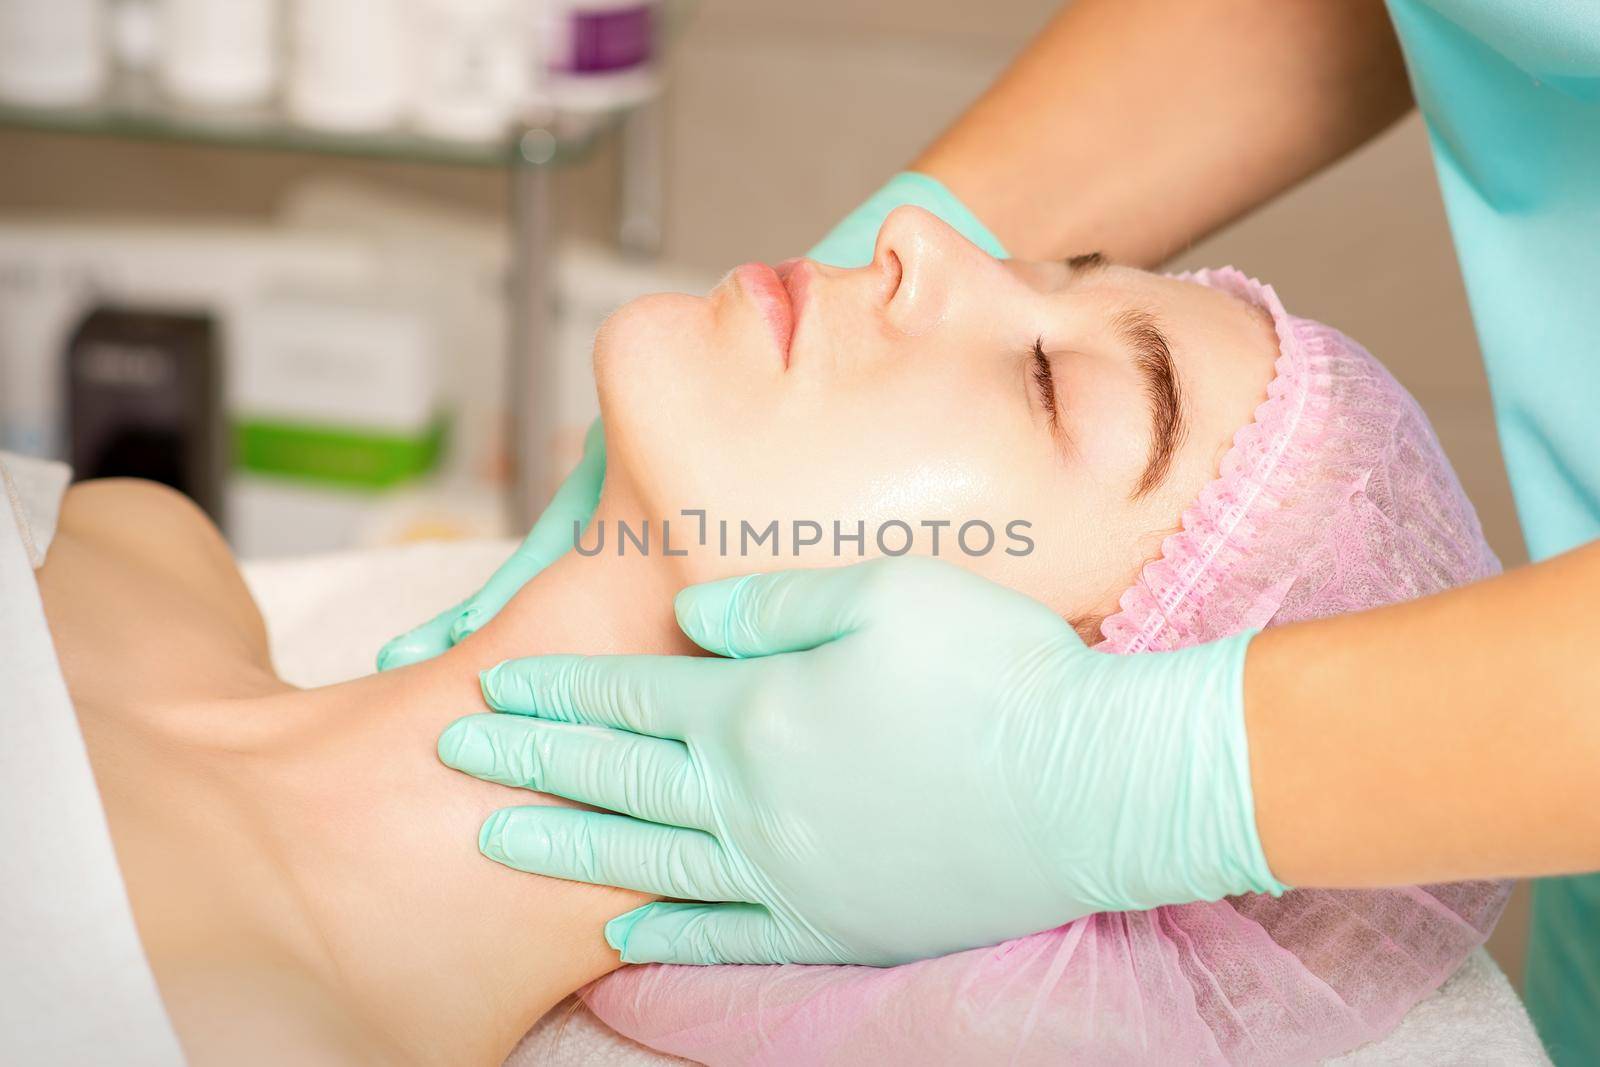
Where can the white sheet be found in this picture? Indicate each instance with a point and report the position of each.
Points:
(328, 615)
(75, 987)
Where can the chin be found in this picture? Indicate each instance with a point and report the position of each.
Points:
(649, 336)
(650, 362)
(658, 387)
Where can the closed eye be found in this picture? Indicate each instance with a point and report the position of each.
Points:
(1045, 380)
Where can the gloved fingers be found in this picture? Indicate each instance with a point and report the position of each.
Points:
(566, 516)
(764, 614)
(419, 643)
(646, 777)
(853, 242)
(601, 849)
(655, 695)
(573, 504)
(706, 934)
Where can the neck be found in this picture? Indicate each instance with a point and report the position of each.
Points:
(446, 954)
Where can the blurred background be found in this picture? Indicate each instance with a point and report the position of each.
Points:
(333, 266)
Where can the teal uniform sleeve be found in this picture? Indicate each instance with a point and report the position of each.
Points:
(1511, 96)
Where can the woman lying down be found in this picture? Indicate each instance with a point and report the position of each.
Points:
(1189, 460)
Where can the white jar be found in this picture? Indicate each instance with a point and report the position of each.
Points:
(219, 53)
(349, 68)
(471, 62)
(598, 55)
(133, 28)
(52, 52)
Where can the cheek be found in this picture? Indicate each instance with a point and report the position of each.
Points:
(960, 462)
(1084, 547)
(865, 458)
(912, 443)
(670, 396)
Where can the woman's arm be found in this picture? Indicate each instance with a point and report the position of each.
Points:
(1457, 736)
(1138, 126)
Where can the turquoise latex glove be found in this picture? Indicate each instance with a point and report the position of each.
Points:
(549, 539)
(910, 760)
(850, 243)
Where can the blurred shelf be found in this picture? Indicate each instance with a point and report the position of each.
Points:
(556, 140)
(135, 109)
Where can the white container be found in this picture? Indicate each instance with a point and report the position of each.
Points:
(51, 271)
(336, 361)
(597, 55)
(349, 66)
(134, 30)
(219, 53)
(53, 53)
(471, 64)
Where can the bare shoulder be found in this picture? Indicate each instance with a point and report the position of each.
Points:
(138, 516)
(155, 547)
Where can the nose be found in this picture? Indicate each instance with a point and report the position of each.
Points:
(920, 256)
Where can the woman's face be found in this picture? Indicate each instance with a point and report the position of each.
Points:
(913, 391)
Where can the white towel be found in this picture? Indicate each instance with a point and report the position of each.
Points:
(328, 615)
(33, 488)
(75, 987)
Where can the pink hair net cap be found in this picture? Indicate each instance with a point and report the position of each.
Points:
(1335, 498)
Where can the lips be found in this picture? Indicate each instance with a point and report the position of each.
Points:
(771, 297)
(796, 275)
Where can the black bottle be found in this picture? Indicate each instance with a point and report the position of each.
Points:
(144, 400)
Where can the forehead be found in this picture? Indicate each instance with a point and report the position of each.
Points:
(1092, 274)
(1098, 291)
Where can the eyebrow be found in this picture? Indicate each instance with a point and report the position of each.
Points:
(1086, 261)
(1152, 358)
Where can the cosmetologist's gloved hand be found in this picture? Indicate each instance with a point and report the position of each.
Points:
(548, 541)
(899, 760)
(849, 244)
